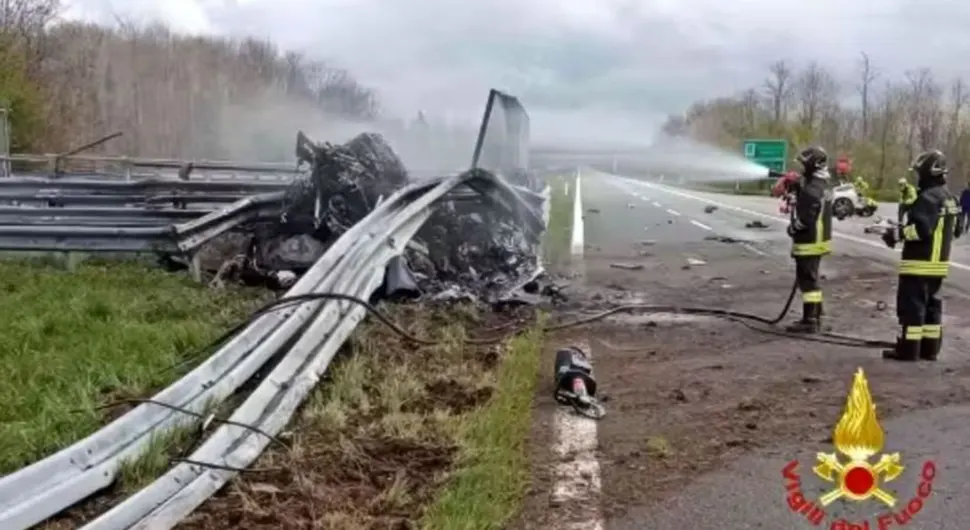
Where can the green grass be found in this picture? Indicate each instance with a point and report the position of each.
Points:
(556, 244)
(489, 486)
(70, 341)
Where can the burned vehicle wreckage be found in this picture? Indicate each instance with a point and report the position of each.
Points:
(474, 247)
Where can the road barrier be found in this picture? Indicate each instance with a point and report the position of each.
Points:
(304, 336)
(353, 265)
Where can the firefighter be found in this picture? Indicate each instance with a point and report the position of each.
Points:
(933, 220)
(861, 187)
(811, 232)
(907, 196)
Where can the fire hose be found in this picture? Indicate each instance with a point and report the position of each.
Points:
(574, 382)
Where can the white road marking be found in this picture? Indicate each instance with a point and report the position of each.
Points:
(577, 243)
(754, 249)
(673, 212)
(700, 225)
(577, 473)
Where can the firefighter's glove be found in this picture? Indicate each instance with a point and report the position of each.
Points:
(889, 238)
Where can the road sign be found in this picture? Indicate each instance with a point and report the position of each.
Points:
(771, 153)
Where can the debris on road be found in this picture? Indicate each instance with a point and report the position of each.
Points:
(593, 210)
(648, 242)
(879, 226)
(630, 205)
(710, 209)
(755, 224)
(694, 262)
(724, 239)
(627, 266)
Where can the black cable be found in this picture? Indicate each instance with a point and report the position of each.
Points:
(222, 467)
(188, 412)
(735, 316)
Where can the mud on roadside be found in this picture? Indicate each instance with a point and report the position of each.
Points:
(689, 395)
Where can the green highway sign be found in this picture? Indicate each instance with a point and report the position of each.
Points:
(771, 153)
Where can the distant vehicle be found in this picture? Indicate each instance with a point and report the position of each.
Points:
(846, 202)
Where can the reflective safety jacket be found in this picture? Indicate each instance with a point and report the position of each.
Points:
(811, 219)
(861, 186)
(907, 194)
(929, 232)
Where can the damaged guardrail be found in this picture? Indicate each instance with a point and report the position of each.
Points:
(372, 222)
(354, 265)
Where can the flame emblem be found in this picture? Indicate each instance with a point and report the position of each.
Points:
(858, 436)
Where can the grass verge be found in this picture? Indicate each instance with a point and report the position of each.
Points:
(399, 436)
(558, 237)
(71, 341)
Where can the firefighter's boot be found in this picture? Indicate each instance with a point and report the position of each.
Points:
(908, 346)
(810, 322)
(929, 346)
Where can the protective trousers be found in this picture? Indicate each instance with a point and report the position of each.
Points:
(807, 276)
(920, 313)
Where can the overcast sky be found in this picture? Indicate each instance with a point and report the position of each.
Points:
(620, 65)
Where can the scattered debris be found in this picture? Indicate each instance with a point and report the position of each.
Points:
(724, 239)
(710, 208)
(880, 226)
(881, 306)
(627, 266)
(467, 250)
(755, 224)
(630, 205)
(593, 210)
(695, 262)
(648, 242)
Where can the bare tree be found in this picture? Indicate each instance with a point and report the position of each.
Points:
(868, 75)
(779, 87)
(814, 88)
(958, 99)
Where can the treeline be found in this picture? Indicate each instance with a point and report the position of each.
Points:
(881, 123)
(66, 83)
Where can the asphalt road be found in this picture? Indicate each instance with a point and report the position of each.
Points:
(749, 493)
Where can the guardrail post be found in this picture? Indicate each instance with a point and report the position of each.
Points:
(126, 166)
(71, 261)
(195, 266)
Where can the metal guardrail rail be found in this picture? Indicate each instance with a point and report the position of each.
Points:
(353, 265)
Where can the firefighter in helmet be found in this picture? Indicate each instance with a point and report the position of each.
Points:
(932, 222)
(907, 196)
(810, 229)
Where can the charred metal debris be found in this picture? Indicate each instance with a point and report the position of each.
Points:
(469, 249)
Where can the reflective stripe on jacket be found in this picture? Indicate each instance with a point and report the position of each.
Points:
(929, 232)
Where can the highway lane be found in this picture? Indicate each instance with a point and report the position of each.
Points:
(749, 493)
(617, 215)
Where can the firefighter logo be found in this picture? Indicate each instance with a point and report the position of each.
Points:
(858, 437)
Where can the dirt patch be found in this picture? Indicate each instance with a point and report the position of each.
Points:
(374, 445)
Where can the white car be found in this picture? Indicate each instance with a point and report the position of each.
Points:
(847, 202)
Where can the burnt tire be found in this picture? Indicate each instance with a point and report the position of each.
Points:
(842, 208)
